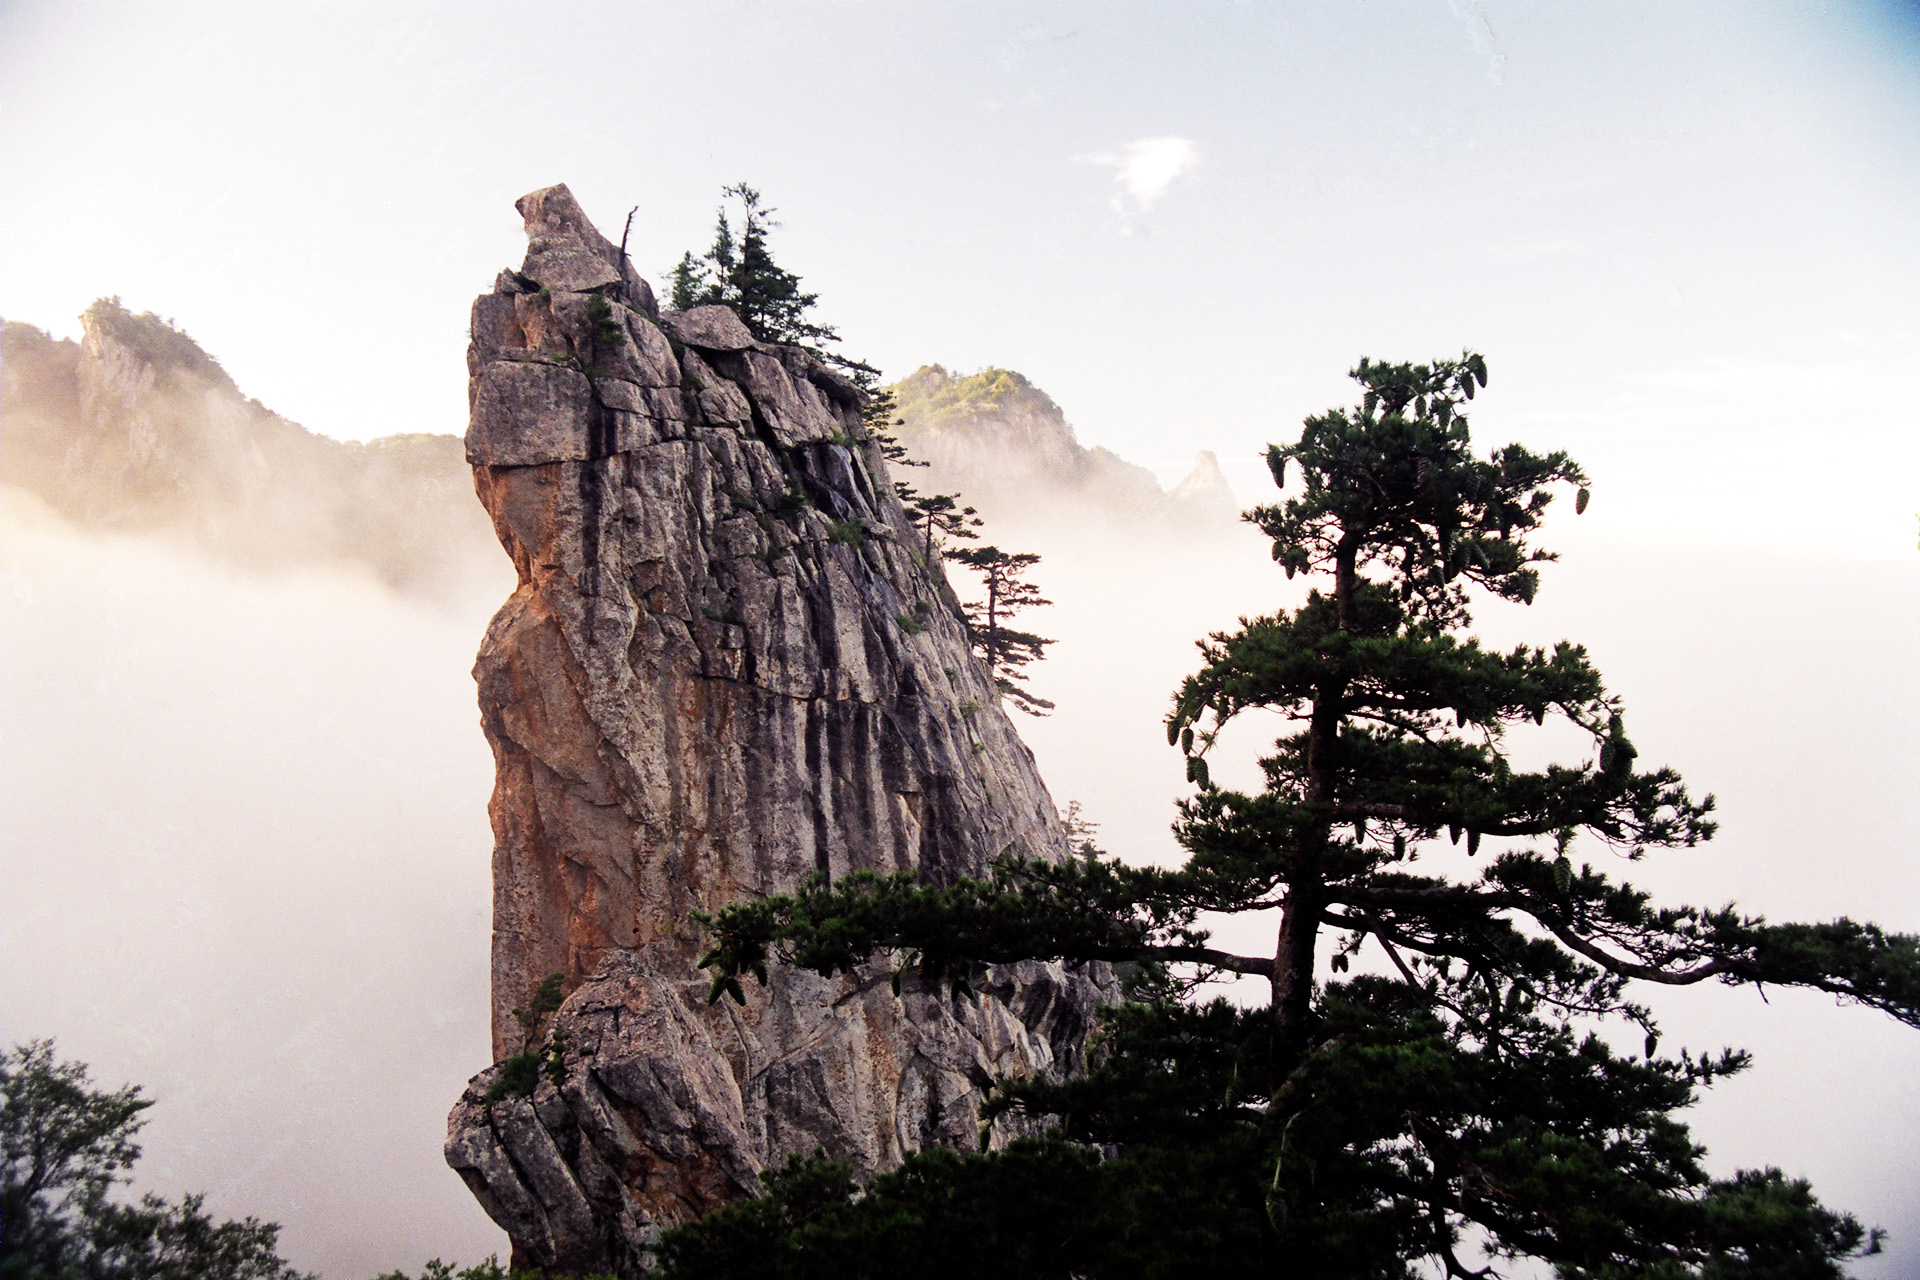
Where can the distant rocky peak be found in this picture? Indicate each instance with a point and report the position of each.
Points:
(136, 428)
(1007, 447)
(1206, 485)
(931, 391)
(115, 333)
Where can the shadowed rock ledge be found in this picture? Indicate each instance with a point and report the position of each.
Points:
(721, 672)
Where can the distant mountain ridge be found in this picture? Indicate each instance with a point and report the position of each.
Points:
(1001, 441)
(136, 428)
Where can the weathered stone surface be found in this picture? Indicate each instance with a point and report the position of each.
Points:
(564, 251)
(525, 414)
(703, 690)
(709, 328)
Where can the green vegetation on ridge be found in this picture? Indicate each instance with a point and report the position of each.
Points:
(932, 394)
(162, 343)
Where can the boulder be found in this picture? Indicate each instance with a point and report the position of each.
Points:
(709, 328)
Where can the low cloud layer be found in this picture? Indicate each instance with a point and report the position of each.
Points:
(246, 855)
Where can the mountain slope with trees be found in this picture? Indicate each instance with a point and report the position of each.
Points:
(1004, 442)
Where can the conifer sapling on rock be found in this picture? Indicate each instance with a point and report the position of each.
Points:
(1006, 650)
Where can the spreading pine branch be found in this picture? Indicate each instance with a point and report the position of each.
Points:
(1459, 1089)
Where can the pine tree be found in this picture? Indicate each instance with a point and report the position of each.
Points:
(881, 418)
(1439, 1076)
(1007, 651)
(740, 272)
(687, 284)
(939, 517)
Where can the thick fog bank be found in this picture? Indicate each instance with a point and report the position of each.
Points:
(245, 844)
(245, 852)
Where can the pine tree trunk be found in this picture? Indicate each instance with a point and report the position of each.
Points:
(993, 622)
(1293, 973)
(1300, 918)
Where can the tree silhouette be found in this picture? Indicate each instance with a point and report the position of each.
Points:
(1006, 651)
(1440, 1077)
(65, 1147)
(738, 271)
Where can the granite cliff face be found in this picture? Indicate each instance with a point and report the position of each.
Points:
(723, 670)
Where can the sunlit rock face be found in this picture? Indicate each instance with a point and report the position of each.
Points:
(724, 669)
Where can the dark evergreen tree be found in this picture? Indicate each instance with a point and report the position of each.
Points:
(939, 518)
(64, 1147)
(1006, 650)
(488, 1270)
(687, 284)
(1439, 1075)
(881, 418)
(739, 271)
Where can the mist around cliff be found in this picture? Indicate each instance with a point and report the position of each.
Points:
(243, 788)
(136, 429)
(243, 830)
(244, 842)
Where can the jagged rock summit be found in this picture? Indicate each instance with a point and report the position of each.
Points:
(722, 671)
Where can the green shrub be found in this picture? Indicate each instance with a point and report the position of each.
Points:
(795, 498)
(848, 533)
(518, 1076)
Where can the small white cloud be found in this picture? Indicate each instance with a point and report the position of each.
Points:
(1473, 17)
(1147, 168)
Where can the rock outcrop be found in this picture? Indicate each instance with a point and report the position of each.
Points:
(1009, 450)
(723, 670)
